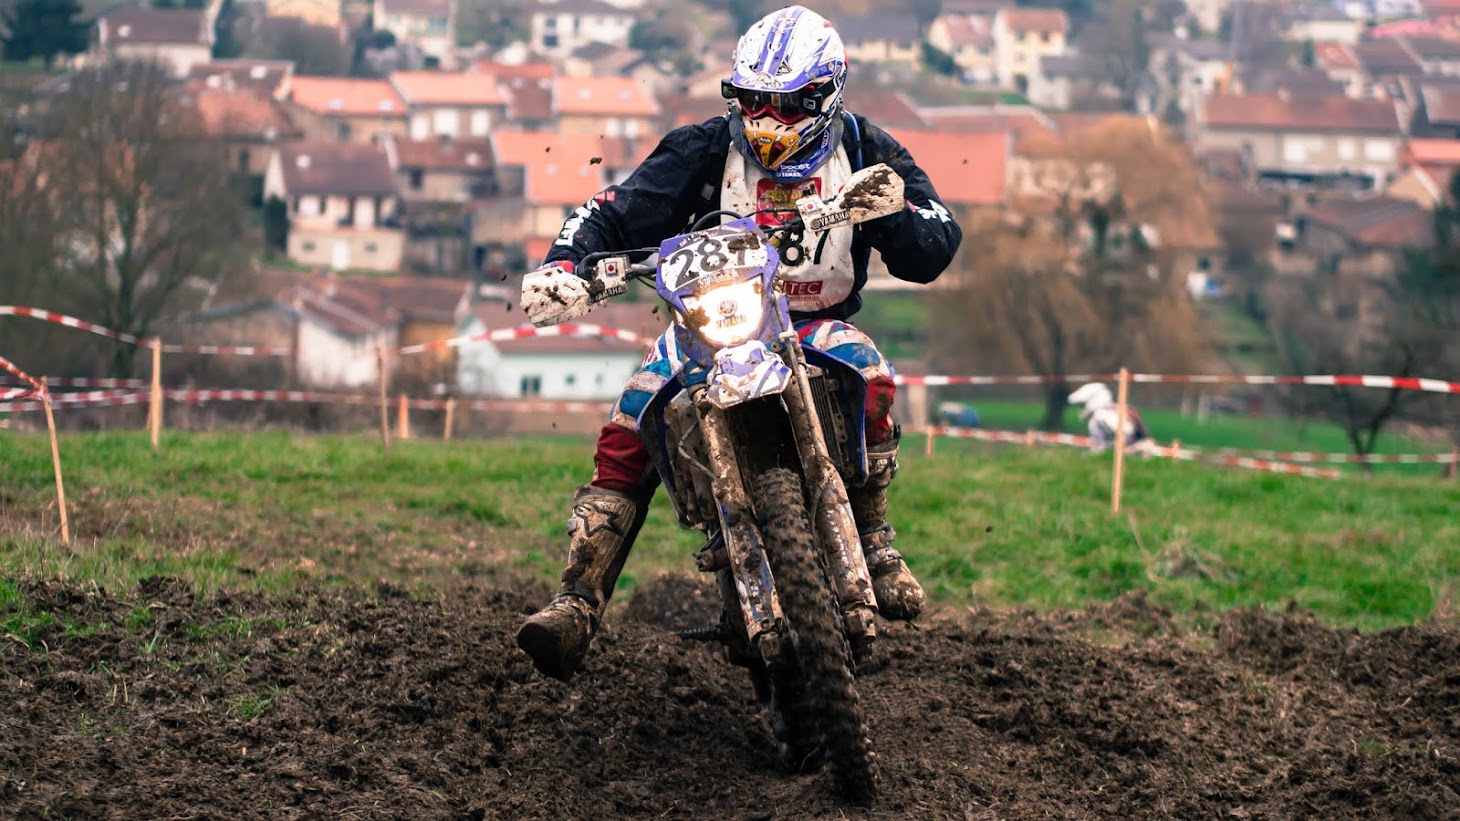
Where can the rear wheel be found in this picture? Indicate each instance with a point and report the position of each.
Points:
(813, 700)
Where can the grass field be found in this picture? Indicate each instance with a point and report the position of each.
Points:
(1004, 526)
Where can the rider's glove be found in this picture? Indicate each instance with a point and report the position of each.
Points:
(553, 294)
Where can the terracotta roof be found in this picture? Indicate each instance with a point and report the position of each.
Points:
(357, 306)
(1022, 121)
(968, 29)
(1312, 114)
(548, 182)
(259, 76)
(459, 88)
(1432, 152)
(1335, 56)
(536, 248)
(516, 147)
(640, 317)
(1403, 28)
(1441, 102)
(1258, 79)
(529, 98)
(686, 110)
(966, 169)
(608, 96)
(1040, 20)
(1381, 222)
(238, 113)
(889, 109)
(625, 152)
(343, 169)
(1382, 58)
(418, 8)
(455, 154)
(536, 70)
(347, 96)
(139, 24)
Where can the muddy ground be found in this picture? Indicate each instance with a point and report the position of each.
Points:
(157, 703)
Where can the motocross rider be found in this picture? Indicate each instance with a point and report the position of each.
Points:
(784, 134)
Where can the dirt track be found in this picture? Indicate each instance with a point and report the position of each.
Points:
(338, 705)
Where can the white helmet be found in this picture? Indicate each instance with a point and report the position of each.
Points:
(789, 71)
(1093, 395)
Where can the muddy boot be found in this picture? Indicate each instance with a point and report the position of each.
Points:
(603, 526)
(899, 596)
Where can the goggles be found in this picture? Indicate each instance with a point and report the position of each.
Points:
(786, 106)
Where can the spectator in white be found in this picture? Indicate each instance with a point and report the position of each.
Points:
(1100, 413)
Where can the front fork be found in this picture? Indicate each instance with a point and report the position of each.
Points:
(836, 530)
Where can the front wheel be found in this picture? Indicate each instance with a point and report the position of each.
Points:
(814, 700)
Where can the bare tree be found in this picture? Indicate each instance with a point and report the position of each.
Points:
(315, 50)
(140, 196)
(1085, 272)
(1352, 323)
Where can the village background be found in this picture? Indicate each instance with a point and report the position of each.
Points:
(1174, 187)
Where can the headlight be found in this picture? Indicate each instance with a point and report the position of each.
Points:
(727, 314)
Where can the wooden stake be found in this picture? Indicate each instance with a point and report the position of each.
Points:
(932, 430)
(1120, 428)
(1029, 438)
(403, 418)
(1454, 463)
(384, 408)
(56, 462)
(154, 412)
(450, 417)
(1175, 451)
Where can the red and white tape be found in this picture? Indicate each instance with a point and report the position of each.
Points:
(80, 400)
(15, 370)
(526, 332)
(1344, 458)
(1013, 436)
(518, 405)
(1394, 382)
(88, 382)
(81, 324)
(1233, 460)
(935, 380)
(7, 394)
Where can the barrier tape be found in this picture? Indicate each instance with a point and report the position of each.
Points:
(1397, 382)
(1348, 458)
(526, 332)
(88, 382)
(20, 374)
(81, 324)
(77, 400)
(1012, 436)
(15, 393)
(1232, 460)
(1227, 458)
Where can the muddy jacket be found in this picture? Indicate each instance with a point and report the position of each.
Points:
(681, 180)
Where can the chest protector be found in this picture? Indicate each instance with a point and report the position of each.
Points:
(820, 275)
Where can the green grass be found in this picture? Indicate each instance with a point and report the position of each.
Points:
(1004, 526)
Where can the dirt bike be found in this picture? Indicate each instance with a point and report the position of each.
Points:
(752, 438)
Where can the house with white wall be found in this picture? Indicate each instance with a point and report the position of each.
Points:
(557, 368)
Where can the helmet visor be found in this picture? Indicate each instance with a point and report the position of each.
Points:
(785, 106)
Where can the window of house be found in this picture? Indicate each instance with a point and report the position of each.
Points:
(371, 248)
(1378, 150)
(243, 160)
(309, 206)
(481, 121)
(550, 41)
(418, 178)
(530, 386)
(570, 380)
(1347, 150)
(307, 245)
(342, 130)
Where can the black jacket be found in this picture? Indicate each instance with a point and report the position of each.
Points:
(680, 181)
